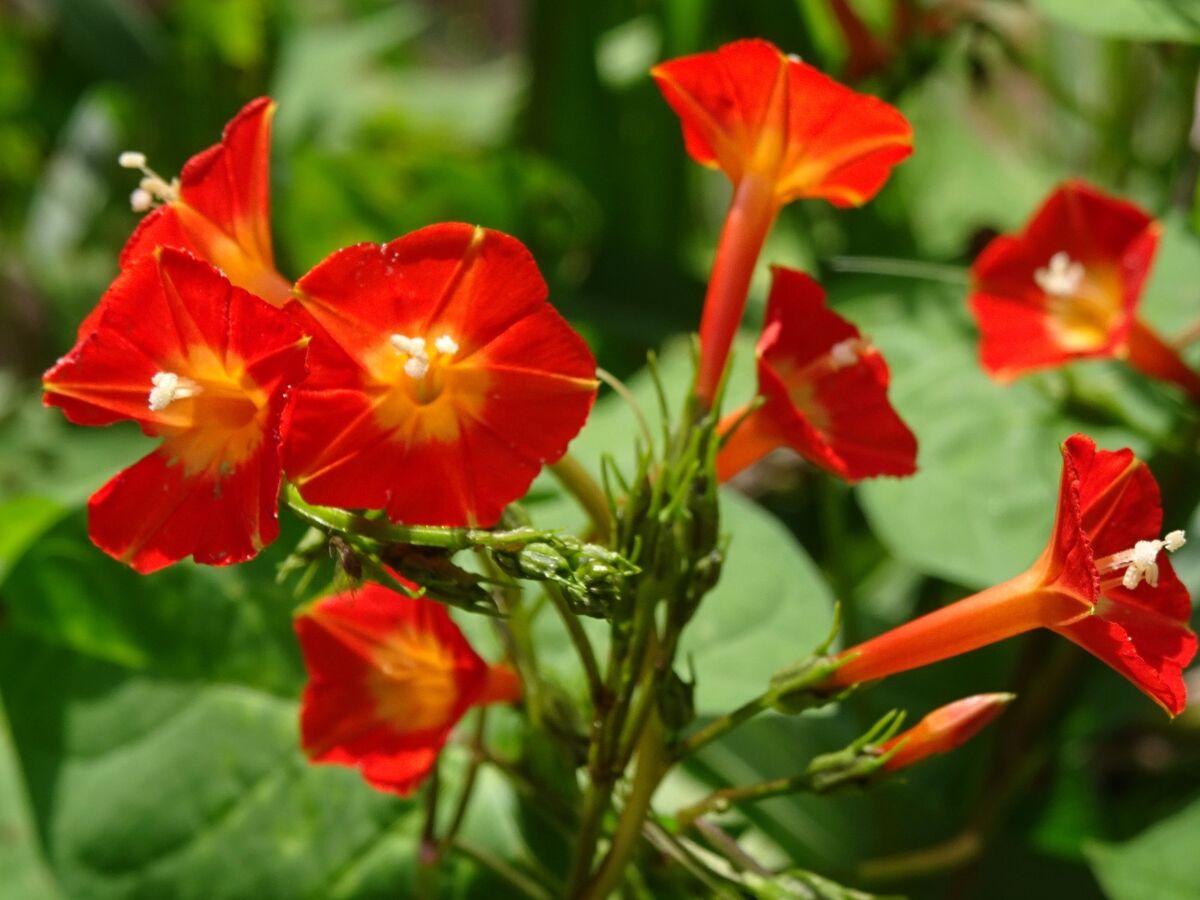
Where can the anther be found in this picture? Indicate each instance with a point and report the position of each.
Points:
(1061, 277)
(844, 354)
(1141, 562)
(141, 200)
(446, 344)
(131, 159)
(153, 187)
(169, 387)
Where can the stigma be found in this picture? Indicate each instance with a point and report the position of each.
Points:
(167, 387)
(1141, 562)
(418, 353)
(1061, 277)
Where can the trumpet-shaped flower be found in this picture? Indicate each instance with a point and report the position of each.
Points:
(1103, 582)
(1068, 287)
(946, 728)
(441, 379)
(389, 678)
(824, 389)
(780, 130)
(207, 367)
(219, 207)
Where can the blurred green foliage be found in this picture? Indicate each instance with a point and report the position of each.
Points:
(150, 746)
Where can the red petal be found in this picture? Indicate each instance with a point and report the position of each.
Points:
(747, 107)
(154, 513)
(1019, 330)
(223, 212)
(755, 436)
(847, 424)
(518, 389)
(380, 665)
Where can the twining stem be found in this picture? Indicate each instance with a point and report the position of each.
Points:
(750, 217)
(583, 645)
(720, 726)
(517, 879)
(468, 787)
(650, 766)
(579, 483)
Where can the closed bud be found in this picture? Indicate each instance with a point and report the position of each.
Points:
(943, 730)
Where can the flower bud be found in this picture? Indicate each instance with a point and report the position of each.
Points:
(943, 730)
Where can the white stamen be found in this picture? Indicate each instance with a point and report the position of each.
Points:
(844, 354)
(446, 344)
(416, 366)
(131, 159)
(140, 200)
(1141, 563)
(169, 387)
(413, 346)
(1062, 277)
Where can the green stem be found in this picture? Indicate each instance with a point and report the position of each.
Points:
(721, 800)
(468, 788)
(579, 638)
(583, 487)
(517, 879)
(720, 726)
(652, 763)
(901, 268)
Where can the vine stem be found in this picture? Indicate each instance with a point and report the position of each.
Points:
(515, 878)
(722, 799)
(901, 268)
(652, 763)
(579, 482)
(720, 726)
(579, 638)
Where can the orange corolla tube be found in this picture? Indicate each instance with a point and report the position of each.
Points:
(1102, 582)
(389, 678)
(824, 390)
(1068, 287)
(207, 367)
(441, 380)
(780, 130)
(946, 728)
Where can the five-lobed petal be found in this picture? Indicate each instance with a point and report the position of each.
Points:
(746, 108)
(207, 367)
(824, 389)
(1066, 287)
(441, 379)
(389, 678)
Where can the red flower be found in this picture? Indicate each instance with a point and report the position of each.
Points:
(1068, 288)
(207, 367)
(946, 728)
(220, 208)
(780, 130)
(825, 389)
(1102, 582)
(389, 678)
(441, 379)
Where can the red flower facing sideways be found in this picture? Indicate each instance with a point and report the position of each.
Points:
(219, 208)
(1103, 582)
(780, 130)
(749, 110)
(441, 379)
(389, 678)
(825, 392)
(207, 367)
(1068, 287)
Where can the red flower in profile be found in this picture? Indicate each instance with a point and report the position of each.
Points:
(780, 130)
(1068, 287)
(441, 379)
(825, 392)
(207, 367)
(389, 678)
(946, 728)
(219, 209)
(1102, 582)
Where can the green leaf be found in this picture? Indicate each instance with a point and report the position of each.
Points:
(22, 519)
(1144, 20)
(980, 508)
(25, 875)
(1161, 863)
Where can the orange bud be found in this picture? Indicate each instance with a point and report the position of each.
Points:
(944, 729)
